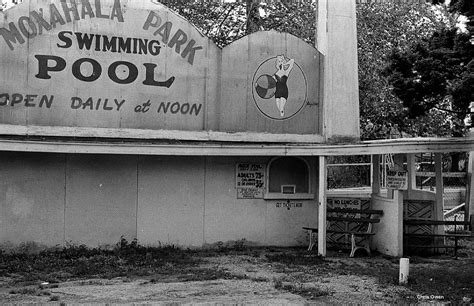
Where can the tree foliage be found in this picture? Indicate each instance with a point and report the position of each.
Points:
(227, 22)
(436, 74)
(383, 28)
(463, 7)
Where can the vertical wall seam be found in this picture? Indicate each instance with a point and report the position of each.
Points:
(268, 161)
(65, 199)
(136, 200)
(204, 203)
(265, 222)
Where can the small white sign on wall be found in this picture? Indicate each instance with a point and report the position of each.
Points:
(346, 203)
(397, 179)
(249, 193)
(250, 180)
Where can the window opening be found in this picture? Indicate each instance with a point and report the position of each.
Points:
(288, 175)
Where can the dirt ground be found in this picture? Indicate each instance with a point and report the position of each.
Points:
(265, 277)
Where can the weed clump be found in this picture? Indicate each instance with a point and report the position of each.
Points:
(308, 290)
(298, 258)
(79, 261)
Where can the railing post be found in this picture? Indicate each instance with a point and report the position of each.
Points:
(439, 206)
(469, 208)
(322, 212)
(411, 167)
(376, 174)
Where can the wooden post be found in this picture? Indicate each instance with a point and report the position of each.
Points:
(411, 166)
(439, 205)
(469, 209)
(322, 206)
(376, 174)
(321, 40)
(336, 39)
(398, 160)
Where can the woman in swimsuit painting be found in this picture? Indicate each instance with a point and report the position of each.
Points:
(281, 76)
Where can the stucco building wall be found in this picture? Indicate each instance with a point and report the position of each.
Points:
(55, 199)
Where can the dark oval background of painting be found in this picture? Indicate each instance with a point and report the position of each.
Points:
(297, 91)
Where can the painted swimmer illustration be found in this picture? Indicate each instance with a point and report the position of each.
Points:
(288, 81)
(281, 77)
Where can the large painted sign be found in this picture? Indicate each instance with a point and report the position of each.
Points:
(125, 64)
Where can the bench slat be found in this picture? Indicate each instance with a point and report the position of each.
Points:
(356, 220)
(437, 235)
(434, 246)
(351, 232)
(355, 211)
(433, 222)
(315, 230)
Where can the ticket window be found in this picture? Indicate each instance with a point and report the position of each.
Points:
(288, 178)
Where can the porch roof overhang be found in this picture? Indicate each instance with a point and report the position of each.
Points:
(83, 140)
(222, 148)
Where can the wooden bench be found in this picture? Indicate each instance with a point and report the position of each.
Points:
(349, 216)
(430, 236)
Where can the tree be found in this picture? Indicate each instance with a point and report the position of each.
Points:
(437, 74)
(227, 22)
(463, 7)
(252, 13)
(383, 28)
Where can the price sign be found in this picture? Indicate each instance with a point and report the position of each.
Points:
(250, 181)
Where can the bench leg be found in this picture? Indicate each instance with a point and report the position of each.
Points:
(354, 247)
(311, 241)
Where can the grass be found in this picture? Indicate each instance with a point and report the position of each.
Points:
(449, 281)
(448, 278)
(311, 292)
(30, 291)
(78, 261)
(296, 258)
(443, 278)
(452, 282)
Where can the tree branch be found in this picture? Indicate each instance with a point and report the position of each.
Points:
(215, 21)
(225, 17)
(451, 111)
